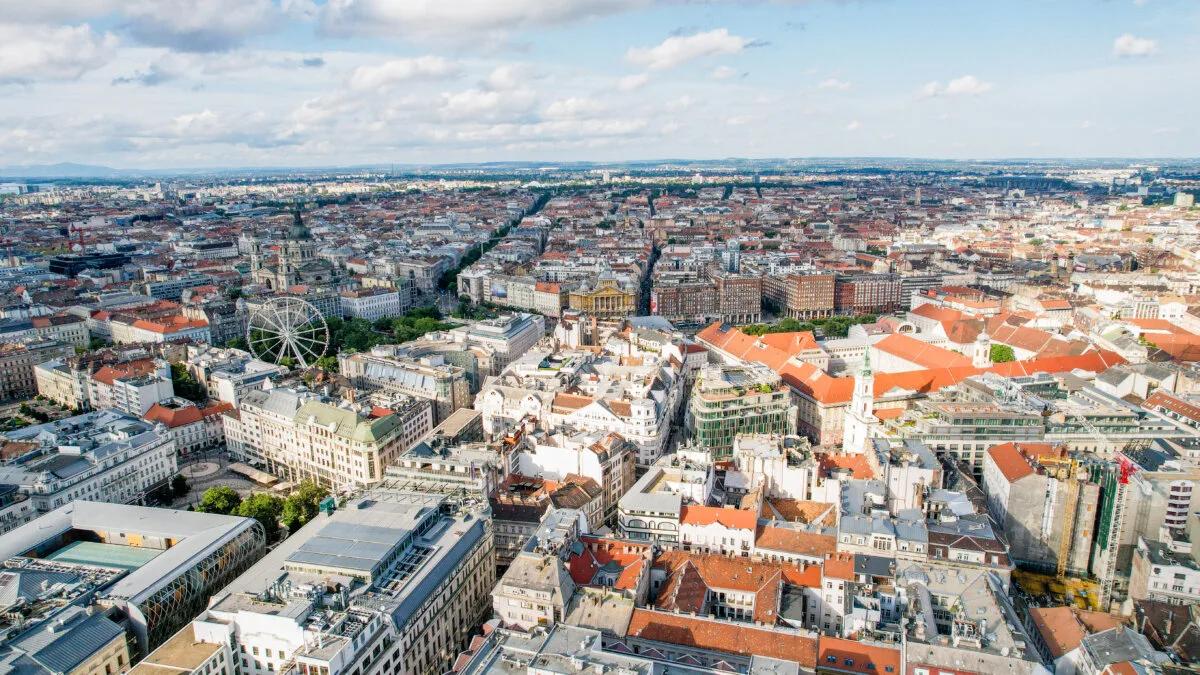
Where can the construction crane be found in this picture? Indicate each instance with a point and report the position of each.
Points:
(1112, 535)
(1064, 469)
(1116, 490)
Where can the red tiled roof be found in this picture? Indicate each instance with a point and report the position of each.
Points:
(1163, 401)
(934, 311)
(691, 575)
(571, 401)
(173, 417)
(1063, 628)
(1010, 461)
(857, 464)
(599, 552)
(1015, 460)
(722, 636)
(826, 389)
(1050, 304)
(737, 519)
(795, 541)
(851, 655)
(136, 368)
(920, 352)
(170, 325)
(798, 510)
(839, 566)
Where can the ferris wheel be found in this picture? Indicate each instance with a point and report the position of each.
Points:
(287, 328)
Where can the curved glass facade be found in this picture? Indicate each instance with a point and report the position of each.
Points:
(177, 603)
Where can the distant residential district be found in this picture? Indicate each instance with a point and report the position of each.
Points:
(630, 419)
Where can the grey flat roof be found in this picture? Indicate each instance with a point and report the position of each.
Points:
(195, 533)
(349, 546)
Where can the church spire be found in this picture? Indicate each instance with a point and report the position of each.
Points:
(861, 415)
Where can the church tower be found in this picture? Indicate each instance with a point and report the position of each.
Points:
(300, 246)
(982, 356)
(861, 416)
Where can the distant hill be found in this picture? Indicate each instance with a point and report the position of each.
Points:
(64, 170)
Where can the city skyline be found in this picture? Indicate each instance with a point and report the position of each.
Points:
(164, 85)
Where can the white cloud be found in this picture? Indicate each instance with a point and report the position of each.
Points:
(505, 77)
(55, 11)
(967, 85)
(682, 103)
(573, 108)
(723, 73)
(457, 18)
(738, 120)
(633, 82)
(30, 53)
(854, 125)
(1128, 45)
(245, 64)
(480, 104)
(678, 50)
(402, 70)
(833, 83)
(191, 26)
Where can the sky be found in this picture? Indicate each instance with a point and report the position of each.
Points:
(158, 84)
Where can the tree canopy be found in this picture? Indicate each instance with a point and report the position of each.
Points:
(1002, 354)
(301, 506)
(185, 385)
(265, 508)
(221, 499)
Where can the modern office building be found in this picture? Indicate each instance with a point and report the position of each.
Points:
(155, 568)
(391, 583)
(731, 400)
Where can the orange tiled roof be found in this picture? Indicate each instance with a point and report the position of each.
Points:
(1063, 628)
(599, 553)
(571, 401)
(920, 352)
(826, 389)
(1013, 459)
(857, 464)
(736, 519)
(173, 417)
(859, 657)
(1163, 401)
(691, 575)
(840, 566)
(1159, 325)
(795, 541)
(135, 368)
(798, 510)
(722, 636)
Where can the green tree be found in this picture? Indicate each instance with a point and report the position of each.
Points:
(238, 343)
(96, 343)
(265, 508)
(221, 499)
(1002, 354)
(328, 363)
(301, 506)
(185, 385)
(179, 485)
